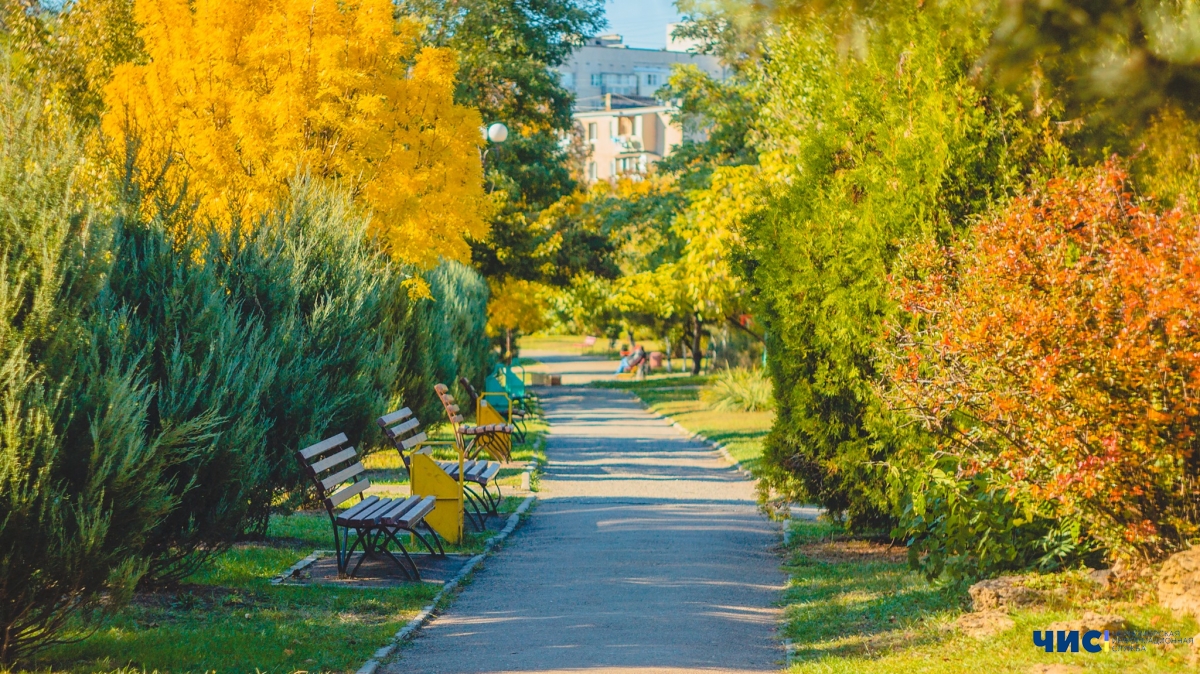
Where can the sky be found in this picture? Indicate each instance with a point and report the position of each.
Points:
(642, 22)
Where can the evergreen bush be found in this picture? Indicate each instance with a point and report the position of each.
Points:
(453, 327)
(338, 319)
(878, 135)
(81, 483)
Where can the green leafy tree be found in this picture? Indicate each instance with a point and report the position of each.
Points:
(508, 55)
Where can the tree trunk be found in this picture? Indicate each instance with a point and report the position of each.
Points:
(697, 354)
(508, 346)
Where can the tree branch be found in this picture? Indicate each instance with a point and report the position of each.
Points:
(743, 328)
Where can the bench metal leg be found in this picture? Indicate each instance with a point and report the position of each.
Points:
(477, 510)
(345, 552)
(391, 535)
(417, 535)
(494, 501)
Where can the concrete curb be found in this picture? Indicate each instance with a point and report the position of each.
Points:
(425, 613)
(300, 566)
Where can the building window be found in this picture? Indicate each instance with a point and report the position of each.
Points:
(597, 80)
(568, 80)
(652, 80)
(591, 170)
(624, 126)
(621, 85)
(592, 132)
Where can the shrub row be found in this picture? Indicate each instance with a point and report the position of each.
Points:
(974, 342)
(154, 386)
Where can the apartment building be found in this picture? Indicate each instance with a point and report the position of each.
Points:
(604, 68)
(626, 128)
(627, 141)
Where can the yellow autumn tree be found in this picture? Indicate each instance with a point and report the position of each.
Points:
(236, 97)
(702, 281)
(517, 306)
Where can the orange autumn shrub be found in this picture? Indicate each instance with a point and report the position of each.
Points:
(1060, 348)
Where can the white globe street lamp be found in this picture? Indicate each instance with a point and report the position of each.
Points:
(497, 133)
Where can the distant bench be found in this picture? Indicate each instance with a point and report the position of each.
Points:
(403, 430)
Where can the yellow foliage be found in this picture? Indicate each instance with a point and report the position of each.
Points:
(517, 305)
(238, 96)
(702, 280)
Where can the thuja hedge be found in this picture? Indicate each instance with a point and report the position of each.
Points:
(888, 143)
(154, 386)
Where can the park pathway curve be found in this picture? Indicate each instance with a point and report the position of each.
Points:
(645, 554)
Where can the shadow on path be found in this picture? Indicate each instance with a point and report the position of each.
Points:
(645, 554)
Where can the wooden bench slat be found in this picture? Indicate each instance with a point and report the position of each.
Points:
(373, 513)
(414, 514)
(324, 446)
(392, 417)
(490, 472)
(406, 426)
(396, 509)
(329, 462)
(340, 477)
(349, 492)
(414, 440)
(358, 507)
(451, 467)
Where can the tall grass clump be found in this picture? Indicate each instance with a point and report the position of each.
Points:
(739, 390)
(81, 483)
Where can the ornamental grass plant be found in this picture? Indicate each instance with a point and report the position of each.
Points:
(739, 390)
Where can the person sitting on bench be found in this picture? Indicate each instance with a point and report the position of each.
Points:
(633, 360)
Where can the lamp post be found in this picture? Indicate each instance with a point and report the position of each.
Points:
(493, 134)
(497, 133)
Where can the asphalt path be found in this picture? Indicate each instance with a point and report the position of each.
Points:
(644, 554)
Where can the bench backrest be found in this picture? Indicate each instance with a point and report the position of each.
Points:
(403, 430)
(453, 413)
(514, 383)
(335, 469)
(470, 390)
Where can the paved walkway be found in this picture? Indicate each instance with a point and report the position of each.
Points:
(573, 369)
(645, 554)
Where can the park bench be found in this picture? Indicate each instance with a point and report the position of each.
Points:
(339, 476)
(506, 380)
(495, 439)
(403, 430)
(501, 404)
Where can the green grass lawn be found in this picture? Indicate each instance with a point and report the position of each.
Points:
(856, 607)
(227, 617)
(678, 396)
(570, 344)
